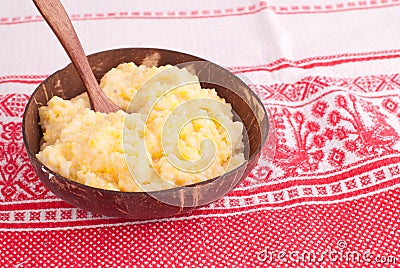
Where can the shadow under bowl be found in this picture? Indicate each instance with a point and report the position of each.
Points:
(67, 84)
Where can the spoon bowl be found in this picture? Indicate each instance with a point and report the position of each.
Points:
(67, 84)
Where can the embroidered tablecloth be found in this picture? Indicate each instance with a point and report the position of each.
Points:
(329, 73)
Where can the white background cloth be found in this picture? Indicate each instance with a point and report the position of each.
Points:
(248, 37)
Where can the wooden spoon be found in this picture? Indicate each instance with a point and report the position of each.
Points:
(54, 14)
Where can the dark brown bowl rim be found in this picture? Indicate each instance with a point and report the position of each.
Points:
(173, 189)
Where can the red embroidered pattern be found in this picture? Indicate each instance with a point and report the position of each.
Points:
(25, 79)
(334, 140)
(19, 181)
(352, 128)
(13, 105)
(319, 61)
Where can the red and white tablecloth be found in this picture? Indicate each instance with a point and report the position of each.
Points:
(329, 72)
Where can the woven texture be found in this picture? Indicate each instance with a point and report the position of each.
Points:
(328, 71)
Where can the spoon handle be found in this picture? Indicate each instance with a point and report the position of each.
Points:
(55, 15)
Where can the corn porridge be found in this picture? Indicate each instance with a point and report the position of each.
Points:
(165, 118)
